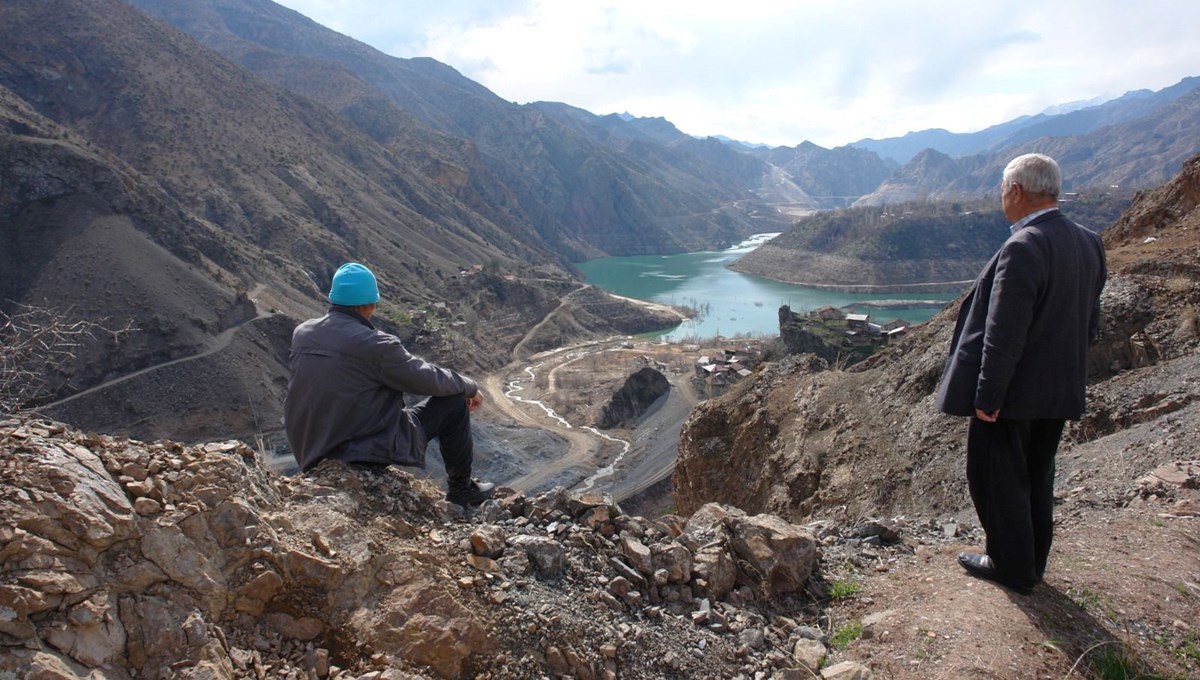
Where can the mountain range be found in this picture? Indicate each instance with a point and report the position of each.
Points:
(195, 167)
(1137, 153)
(1063, 121)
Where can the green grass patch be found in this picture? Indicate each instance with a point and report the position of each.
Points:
(1087, 599)
(846, 634)
(841, 589)
(1191, 650)
(1111, 663)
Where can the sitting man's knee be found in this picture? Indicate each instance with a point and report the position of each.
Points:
(455, 404)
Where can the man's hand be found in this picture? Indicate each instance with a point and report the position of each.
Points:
(475, 401)
(988, 417)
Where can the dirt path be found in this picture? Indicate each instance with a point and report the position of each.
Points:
(655, 443)
(581, 445)
(1121, 593)
(218, 343)
(520, 346)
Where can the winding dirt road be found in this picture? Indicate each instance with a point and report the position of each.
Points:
(218, 343)
(602, 462)
(526, 406)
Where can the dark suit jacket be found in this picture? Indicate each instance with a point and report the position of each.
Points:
(1020, 344)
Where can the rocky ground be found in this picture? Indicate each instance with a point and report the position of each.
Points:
(123, 559)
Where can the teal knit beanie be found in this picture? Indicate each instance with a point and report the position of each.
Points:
(353, 285)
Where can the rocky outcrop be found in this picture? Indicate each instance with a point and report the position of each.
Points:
(123, 559)
(1158, 209)
(632, 399)
(800, 340)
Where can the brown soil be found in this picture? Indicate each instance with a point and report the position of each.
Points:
(1119, 601)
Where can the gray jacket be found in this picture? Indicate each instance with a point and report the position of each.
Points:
(345, 397)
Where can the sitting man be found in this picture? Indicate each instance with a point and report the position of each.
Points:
(345, 399)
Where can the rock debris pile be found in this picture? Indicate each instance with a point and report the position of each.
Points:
(124, 559)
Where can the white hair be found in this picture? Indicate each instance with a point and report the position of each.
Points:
(1036, 173)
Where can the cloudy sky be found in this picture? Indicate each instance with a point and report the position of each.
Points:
(784, 71)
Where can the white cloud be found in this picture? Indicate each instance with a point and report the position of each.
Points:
(783, 71)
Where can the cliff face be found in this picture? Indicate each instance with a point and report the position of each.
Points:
(803, 442)
(799, 339)
(628, 403)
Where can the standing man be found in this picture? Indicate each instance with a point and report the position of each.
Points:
(345, 397)
(1018, 368)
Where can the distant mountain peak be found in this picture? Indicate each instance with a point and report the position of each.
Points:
(739, 144)
(1059, 109)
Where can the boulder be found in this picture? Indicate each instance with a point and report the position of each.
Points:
(634, 398)
(547, 554)
(638, 554)
(488, 541)
(709, 522)
(423, 622)
(674, 559)
(810, 654)
(781, 556)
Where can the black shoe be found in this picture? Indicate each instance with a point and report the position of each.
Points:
(473, 492)
(979, 564)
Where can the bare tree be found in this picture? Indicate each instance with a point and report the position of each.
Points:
(37, 343)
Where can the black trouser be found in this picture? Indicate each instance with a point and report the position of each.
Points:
(1010, 472)
(448, 420)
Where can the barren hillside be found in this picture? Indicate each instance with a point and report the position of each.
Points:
(813, 444)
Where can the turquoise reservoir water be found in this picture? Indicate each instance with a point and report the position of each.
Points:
(733, 303)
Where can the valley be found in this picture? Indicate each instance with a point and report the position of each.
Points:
(562, 391)
(195, 172)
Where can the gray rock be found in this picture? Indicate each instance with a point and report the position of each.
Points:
(547, 554)
(811, 633)
(752, 638)
(846, 670)
(810, 654)
(886, 532)
(783, 554)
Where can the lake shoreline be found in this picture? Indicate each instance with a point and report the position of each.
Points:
(729, 303)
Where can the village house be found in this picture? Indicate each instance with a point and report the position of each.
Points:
(714, 376)
(828, 313)
(716, 385)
